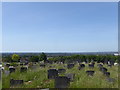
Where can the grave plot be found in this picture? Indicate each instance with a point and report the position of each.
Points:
(62, 82)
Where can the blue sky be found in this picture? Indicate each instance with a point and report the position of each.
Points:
(60, 27)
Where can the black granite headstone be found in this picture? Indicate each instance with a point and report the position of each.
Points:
(15, 82)
(91, 65)
(107, 74)
(62, 82)
(103, 69)
(12, 69)
(52, 73)
(42, 65)
(23, 69)
(90, 73)
(69, 66)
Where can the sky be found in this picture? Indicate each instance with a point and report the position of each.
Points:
(59, 27)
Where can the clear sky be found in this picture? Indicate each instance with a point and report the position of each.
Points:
(60, 27)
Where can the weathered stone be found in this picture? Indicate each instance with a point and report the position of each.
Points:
(71, 76)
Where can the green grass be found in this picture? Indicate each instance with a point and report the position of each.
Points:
(38, 78)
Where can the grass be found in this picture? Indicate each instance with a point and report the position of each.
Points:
(37, 78)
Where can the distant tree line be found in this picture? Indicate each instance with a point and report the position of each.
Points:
(64, 59)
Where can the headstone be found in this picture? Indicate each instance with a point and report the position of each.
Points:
(91, 65)
(82, 65)
(100, 65)
(12, 69)
(61, 70)
(103, 69)
(15, 82)
(7, 64)
(21, 64)
(107, 74)
(52, 73)
(71, 76)
(69, 66)
(23, 69)
(90, 73)
(62, 82)
(42, 65)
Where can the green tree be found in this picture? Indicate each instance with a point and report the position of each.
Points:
(34, 59)
(15, 57)
(43, 57)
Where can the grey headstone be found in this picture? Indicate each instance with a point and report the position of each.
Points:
(71, 76)
(7, 72)
(62, 82)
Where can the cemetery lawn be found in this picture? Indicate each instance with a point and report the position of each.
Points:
(37, 77)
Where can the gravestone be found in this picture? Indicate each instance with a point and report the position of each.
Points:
(62, 82)
(12, 69)
(107, 74)
(82, 65)
(21, 64)
(100, 65)
(15, 82)
(71, 76)
(42, 65)
(90, 73)
(7, 64)
(52, 73)
(91, 65)
(61, 70)
(103, 69)
(23, 69)
(69, 66)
